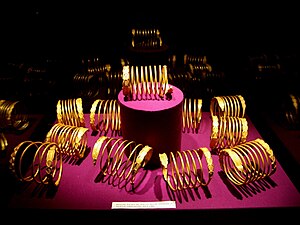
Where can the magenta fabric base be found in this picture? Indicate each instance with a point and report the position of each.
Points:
(81, 189)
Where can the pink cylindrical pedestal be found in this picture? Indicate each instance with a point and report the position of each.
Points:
(157, 123)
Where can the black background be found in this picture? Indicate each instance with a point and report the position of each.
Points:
(218, 28)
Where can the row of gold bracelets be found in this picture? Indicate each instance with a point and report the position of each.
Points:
(228, 131)
(230, 105)
(70, 112)
(105, 115)
(248, 162)
(72, 140)
(191, 114)
(186, 169)
(120, 159)
(45, 166)
(141, 83)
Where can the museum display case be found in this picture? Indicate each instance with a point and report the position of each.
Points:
(148, 121)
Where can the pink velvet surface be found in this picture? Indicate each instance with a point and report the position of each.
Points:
(81, 188)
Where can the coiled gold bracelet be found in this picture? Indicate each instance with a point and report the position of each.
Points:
(230, 105)
(108, 115)
(72, 140)
(186, 169)
(228, 131)
(248, 162)
(45, 166)
(191, 114)
(70, 112)
(120, 159)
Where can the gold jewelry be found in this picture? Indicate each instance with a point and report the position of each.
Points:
(122, 158)
(38, 164)
(186, 168)
(248, 162)
(96, 148)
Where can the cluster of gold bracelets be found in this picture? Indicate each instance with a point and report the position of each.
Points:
(191, 114)
(145, 82)
(70, 112)
(229, 125)
(186, 169)
(46, 162)
(72, 140)
(248, 162)
(120, 159)
(108, 115)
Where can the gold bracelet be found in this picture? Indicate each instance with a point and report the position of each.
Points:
(243, 104)
(50, 165)
(214, 132)
(184, 174)
(15, 161)
(80, 111)
(97, 147)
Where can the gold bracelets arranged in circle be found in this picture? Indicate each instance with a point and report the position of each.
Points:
(228, 131)
(191, 114)
(145, 82)
(230, 105)
(108, 115)
(119, 158)
(72, 140)
(248, 162)
(70, 112)
(13, 114)
(186, 169)
(44, 167)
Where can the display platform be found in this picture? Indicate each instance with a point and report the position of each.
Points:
(81, 187)
(153, 122)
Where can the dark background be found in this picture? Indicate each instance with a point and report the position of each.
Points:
(221, 29)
